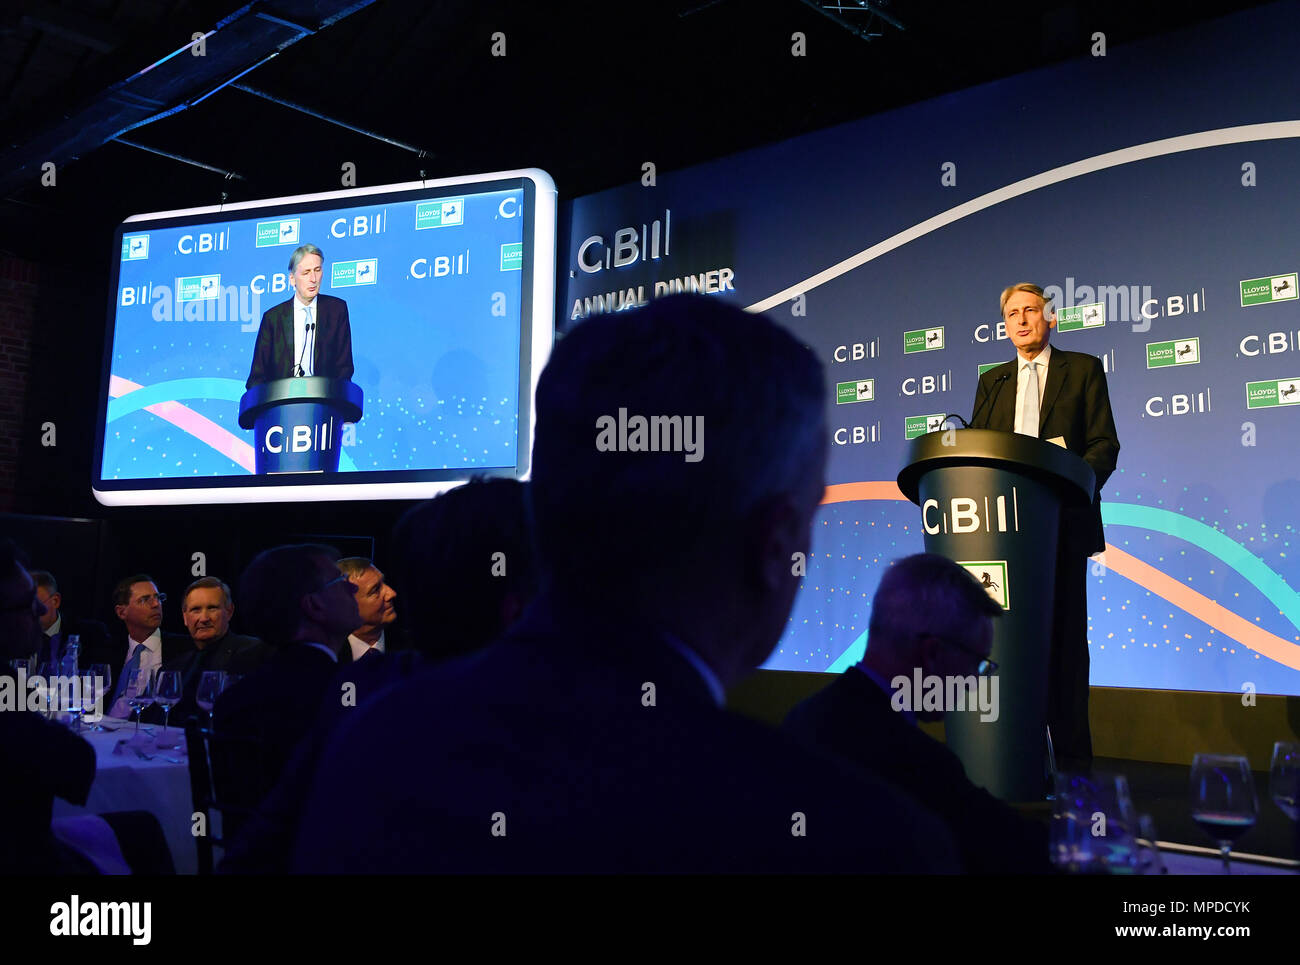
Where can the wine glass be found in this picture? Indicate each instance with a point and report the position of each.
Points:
(1223, 799)
(102, 676)
(167, 694)
(210, 686)
(1093, 827)
(49, 674)
(139, 689)
(1284, 777)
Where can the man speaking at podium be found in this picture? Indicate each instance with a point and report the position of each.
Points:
(307, 335)
(1057, 396)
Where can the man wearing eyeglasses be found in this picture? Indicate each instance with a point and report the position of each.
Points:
(931, 615)
(138, 605)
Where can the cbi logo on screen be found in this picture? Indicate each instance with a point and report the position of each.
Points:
(439, 266)
(135, 247)
(203, 242)
(359, 226)
(270, 234)
(302, 438)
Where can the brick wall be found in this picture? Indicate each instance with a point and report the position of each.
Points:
(18, 292)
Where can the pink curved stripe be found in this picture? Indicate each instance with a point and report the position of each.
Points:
(185, 418)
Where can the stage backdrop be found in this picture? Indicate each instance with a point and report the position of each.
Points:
(1154, 189)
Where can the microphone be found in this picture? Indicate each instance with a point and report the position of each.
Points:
(990, 397)
(298, 371)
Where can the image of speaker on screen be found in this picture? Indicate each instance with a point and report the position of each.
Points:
(308, 335)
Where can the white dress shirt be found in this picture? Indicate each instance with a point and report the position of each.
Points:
(360, 648)
(300, 339)
(150, 661)
(1022, 383)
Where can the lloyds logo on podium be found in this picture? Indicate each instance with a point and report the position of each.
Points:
(965, 514)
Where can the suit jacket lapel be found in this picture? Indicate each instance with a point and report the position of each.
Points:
(1004, 408)
(1057, 367)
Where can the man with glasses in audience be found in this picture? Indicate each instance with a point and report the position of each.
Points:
(138, 605)
(928, 614)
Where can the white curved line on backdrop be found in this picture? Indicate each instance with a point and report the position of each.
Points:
(1273, 130)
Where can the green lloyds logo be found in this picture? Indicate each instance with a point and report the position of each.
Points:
(135, 247)
(919, 425)
(442, 213)
(512, 256)
(992, 575)
(864, 391)
(193, 288)
(272, 233)
(1081, 316)
(1261, 291)
(1184, 351)
(347, 274)
(1264, 395)
(923, 340)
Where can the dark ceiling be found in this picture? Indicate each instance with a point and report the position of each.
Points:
(587, 91)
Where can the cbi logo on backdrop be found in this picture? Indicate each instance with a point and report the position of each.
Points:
(856, 351)
(203, 242)
(443, 213)
(1263, 291)
(1270, 343)
(628, 248)
(195, 288)
(923, 340)
(1272, 392)
(920, 425)
(856, 435)
(269, 234)
(861, 391)
(1185, 351)
(1178, 403)
(359, 226)
(927, 384)
(135, 247)
(992, 575)
(349, 274)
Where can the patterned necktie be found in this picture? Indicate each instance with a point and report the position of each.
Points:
(1029, 418)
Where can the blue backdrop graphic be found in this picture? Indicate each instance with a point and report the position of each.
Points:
(1182, 257)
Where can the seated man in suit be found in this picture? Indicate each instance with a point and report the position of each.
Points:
(375, 604)
(58, 626)
(309, 334)
(139, 606)
(1049, 393)
(464, 608)
(206, 609)
(299, 602)
(930, 613)
(593, 737)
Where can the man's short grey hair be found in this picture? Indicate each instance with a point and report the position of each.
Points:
(301, 252)
(207, 583)
(928, 595)
(609, 514)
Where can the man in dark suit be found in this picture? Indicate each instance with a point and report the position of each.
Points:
(593, 736)
(929, 614)
(144, 646)
(58, 626)
(299, 602)
(1050, 394)
(310, 334)
(206, 609)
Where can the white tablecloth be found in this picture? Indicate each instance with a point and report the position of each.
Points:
(125, 782)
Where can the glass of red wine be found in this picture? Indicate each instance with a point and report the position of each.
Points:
(1223, 799)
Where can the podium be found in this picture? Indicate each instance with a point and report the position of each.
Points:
(991, 501)
(297, 423)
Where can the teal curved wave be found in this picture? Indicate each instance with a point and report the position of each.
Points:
(227, 390)
(1219, 545)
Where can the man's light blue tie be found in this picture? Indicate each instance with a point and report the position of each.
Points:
(1029, 420)
(132, 664)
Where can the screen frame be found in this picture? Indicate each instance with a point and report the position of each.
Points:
(537, 335)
